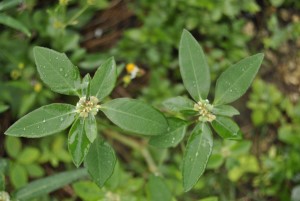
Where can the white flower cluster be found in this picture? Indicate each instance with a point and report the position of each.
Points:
(205, 111)
(87, 106)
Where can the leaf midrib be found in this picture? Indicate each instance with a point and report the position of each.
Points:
(132, 115)
(41, 122)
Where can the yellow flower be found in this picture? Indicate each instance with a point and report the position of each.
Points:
(130, 67)
(37, 87)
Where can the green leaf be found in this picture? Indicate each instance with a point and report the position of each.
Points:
(13, 23)
(104, 79)
(35, 170)
(135, 116)
(2, 182)
(235, 81)
(3, 107)
(18, 175)
(6, 4)
(100, 161)
(197, 153)
(213, 198)
(86, 86)
(46, 185)
(193, 67)
(13, 146)
(91, 128)
(227, 128)
(178, 104)
(57, 71)
(28, 155)
(88, 190)
(43, 121)
(157, 190)
(225, 110)
(175, 134)
(78, 143)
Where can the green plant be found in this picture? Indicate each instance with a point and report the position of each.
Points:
(57, 71)
(134, 116)
(231, 85)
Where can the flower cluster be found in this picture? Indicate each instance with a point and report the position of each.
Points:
(205, 111)
(86, 106)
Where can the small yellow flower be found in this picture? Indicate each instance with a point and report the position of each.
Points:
(130, 67)
(37, 87)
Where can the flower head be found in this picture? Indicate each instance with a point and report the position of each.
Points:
(87, 106)
(205, 111)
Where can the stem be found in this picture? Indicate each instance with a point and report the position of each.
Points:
(76, 15)
(137, 146)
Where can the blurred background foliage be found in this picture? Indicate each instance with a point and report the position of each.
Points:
(264, 166)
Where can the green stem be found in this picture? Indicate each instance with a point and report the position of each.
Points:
(76, 15)
(136, 146)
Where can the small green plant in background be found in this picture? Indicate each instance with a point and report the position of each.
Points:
(134, 116)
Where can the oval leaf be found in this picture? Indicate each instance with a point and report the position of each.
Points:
(57, 71)
(46, 120)
(100, 161)
(197, 153)
(158, 190)
(177, 129)
(46, 185)
(135, 116)
(104, 79)
(78, 143)
(225, 110)
(178, 104)
(235, 81)
(227, 128)
(193, 67)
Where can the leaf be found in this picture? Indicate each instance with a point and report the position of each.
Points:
(57, 71)
(3, 107)
(213, 198)
(235, 81)
(86, 86)
(88, 190)
(225, 110)
(100, 161)
(43, 121)
(35, 170)
(227, 128)
(197, 153)
(18, 175)
(28, 155)
(177, 129)
(104, 79)
(91, 128)
(178, 104)
(78, 143)
(6, 4)
(135, 116)
(13, 146)
(193, 67)
(46, 185)
(13, 23)
(157, 189)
